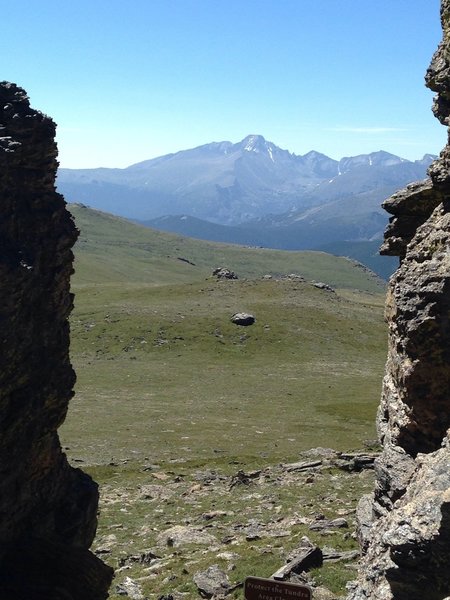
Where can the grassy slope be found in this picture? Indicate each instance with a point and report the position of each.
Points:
(167, 365)
(367, 253)
(175, 376)
(112, 249)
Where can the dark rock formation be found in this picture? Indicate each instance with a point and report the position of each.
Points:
(212, 583)
(308, 556)
(243, 319)
(323, 286)
(47, 509)
(404, 527)
(224, 273)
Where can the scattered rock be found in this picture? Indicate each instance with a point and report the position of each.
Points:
(144, 558)
(356, 462)
(223, 524)
(214, 514)
(212, 582)
(243, 478)
(228, 556)
(244, 319)
(365, 518)
(352, 462)
(252, 535)
(332, 555)
(155, 492)
(130, 588)
(306, 557)
(322, 593)
(181, 535)
(161, 476)
(223, 273)
(255, 530)
(106, 544)
(301, 466)
(324, 453)
(295, 277)
(323, 286)
(209, 477)
(338, 523)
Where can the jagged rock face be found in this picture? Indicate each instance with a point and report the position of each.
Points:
(415, 411)
(405, 525)
(438, 74)
(48, 510)
(407, 548)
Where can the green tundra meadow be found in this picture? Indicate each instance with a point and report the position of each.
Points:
(170, 393)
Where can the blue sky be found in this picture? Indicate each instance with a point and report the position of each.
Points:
(130, 80)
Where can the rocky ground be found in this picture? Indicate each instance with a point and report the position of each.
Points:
(184, 531)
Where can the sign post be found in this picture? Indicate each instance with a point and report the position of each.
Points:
(256, 588)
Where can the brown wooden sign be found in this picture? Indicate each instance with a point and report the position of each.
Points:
(270, 589)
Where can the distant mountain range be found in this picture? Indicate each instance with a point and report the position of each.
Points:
(252, 193)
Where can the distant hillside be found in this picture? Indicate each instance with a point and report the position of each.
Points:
(366, 253)
(301, 234)
(112, 249)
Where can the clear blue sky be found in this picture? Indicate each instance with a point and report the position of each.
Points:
(128, 80)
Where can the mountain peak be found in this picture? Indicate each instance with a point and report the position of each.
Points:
(254, 143)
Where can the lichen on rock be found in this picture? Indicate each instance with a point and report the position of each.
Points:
(404, 526)
(48, 509)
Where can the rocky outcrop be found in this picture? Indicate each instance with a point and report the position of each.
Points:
(224, 273)
(48, 510)
(243, 319)
(404, 527)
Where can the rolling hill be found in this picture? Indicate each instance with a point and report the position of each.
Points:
(112, 249)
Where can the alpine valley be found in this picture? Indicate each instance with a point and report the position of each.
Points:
(255, 193)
